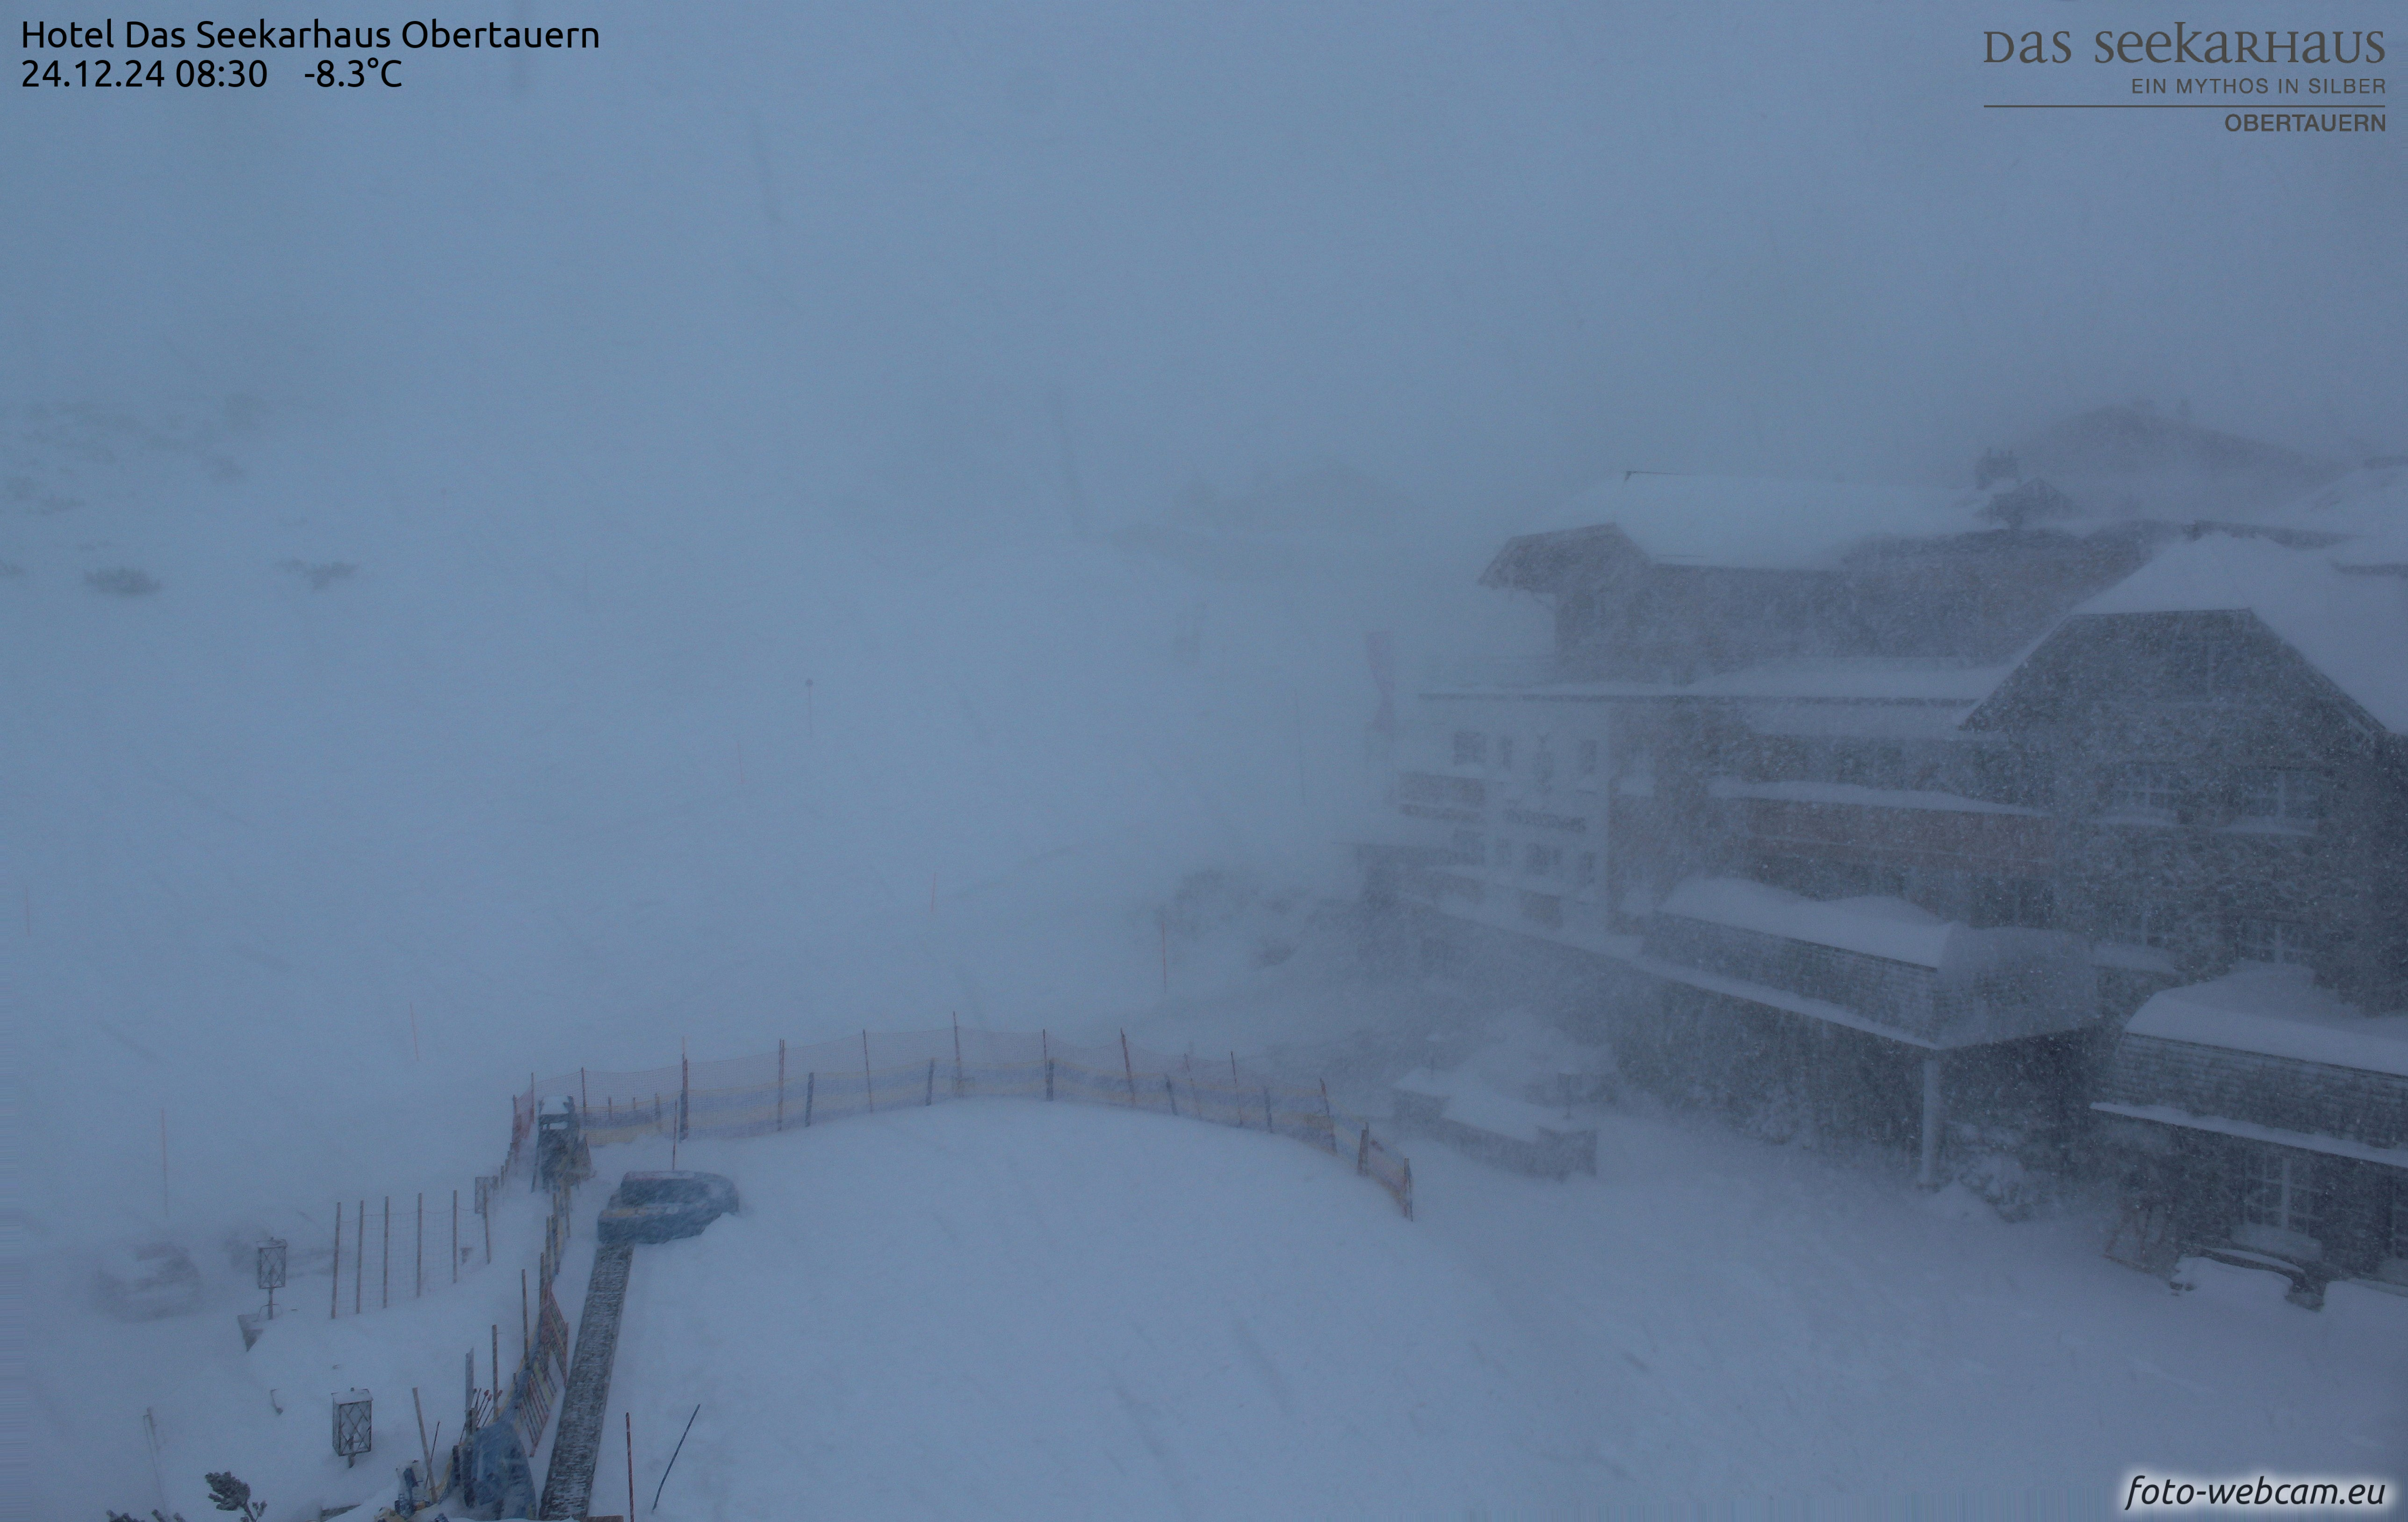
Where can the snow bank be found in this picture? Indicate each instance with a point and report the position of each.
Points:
(1005, 1310)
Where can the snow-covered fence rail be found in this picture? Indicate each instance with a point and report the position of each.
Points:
(796, 1088)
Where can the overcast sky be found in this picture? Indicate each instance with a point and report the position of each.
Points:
(1486, 251)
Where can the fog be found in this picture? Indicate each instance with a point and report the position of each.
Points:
(807, 519)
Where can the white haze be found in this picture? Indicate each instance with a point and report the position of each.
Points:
(762, 445)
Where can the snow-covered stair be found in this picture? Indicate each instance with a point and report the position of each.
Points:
(569, 1485)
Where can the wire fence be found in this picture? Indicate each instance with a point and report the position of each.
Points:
(796, 1088)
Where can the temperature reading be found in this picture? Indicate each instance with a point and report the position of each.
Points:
(351, 73)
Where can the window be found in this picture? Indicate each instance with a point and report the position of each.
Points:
(1542, 861)
(2279, 1200)
(1470, 749)
(2140, 923)
(2278, 941)
(2275, 795)
(2146, 788)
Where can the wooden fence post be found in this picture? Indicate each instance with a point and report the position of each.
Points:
(1128, 1068)
(1363, 1152)
(1172, 1092)
(810, 1082)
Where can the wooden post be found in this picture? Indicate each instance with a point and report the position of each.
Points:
(1172, 1092)
(1934, 1116)
(360, 1248)
(686, 1089)
(335, 1306)
(810, 1083)
(957, 1054)
(584, 1101)
(491, 1196)
(1128, 1068)
(1328, 1117)
(931, 1098)
(869, 1084)
(426, 1449)
(419, 1247)
(384, 1245)
(497, 1366)
(1363, 1152)
(1045, 1045)
(782, 1085)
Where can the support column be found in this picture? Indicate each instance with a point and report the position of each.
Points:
(1935, 1115)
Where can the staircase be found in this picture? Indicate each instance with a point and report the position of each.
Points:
(568, 1485)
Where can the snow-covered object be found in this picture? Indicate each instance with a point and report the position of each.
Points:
(1458, 1108)
(2276, 1012)
(2352, 627)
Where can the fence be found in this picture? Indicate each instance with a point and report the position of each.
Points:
(796, 1088)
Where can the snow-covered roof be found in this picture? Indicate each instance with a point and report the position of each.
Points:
(1867, 678)
(1878, 927)
(2352, 627)
(2372, 500)
(2278, 1012)
(1945, 687)
(1762, 523)
(1849, 792)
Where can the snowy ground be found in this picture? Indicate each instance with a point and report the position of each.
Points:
(1007, 1309)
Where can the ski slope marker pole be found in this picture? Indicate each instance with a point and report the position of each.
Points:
(673, 1458)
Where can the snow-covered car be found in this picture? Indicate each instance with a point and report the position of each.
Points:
(148, 1280)
(664, 1206)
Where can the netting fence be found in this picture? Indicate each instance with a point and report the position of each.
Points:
(796, 1088)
